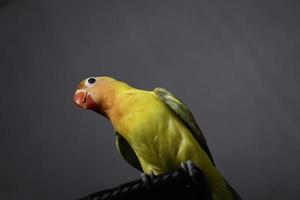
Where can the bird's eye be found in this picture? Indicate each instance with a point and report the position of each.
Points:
(90, 81)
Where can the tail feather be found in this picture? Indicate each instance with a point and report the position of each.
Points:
(235, 195)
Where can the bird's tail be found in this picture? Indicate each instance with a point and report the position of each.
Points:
(235, 195)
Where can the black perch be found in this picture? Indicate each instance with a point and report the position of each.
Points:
(174, 185)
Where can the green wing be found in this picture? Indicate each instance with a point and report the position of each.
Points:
(185, 115)
(127, 152)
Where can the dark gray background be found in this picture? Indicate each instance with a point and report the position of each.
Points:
(236, 65)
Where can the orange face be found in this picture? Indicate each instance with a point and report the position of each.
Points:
(86, 95)
(95, 93)
(84, 100)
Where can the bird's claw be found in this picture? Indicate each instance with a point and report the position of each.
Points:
(147, 178)
(198, 177)
(192, 170)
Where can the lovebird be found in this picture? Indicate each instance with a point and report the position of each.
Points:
(155, 132)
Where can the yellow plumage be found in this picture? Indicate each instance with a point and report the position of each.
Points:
(159, 138)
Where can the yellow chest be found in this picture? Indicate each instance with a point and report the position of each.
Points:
(158, 137)
(160, 140)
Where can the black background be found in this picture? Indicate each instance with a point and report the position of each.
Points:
(236, 65)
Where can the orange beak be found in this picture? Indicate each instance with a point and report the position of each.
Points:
(84, 100)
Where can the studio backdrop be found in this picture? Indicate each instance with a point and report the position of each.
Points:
(235, 64)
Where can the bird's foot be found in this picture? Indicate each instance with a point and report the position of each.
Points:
(198, 177)
(147, 178)
(192, 170)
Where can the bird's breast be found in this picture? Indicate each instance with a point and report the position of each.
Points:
(158, 137)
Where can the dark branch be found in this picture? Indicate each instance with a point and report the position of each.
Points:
(178, 185)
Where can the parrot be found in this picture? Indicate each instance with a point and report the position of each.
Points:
(155, 132)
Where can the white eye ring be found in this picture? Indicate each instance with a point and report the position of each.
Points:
(90, 82)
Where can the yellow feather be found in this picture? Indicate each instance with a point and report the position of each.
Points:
(159, 138)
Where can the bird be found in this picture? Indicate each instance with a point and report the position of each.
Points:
(155, 132)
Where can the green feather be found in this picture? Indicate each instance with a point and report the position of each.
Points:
(185, 115)
(127, 152)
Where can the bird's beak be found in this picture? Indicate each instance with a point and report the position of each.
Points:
(84, 100)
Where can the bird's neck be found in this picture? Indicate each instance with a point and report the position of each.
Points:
(109, 93)
(120, 104)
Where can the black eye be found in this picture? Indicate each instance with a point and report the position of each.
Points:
(91, 80)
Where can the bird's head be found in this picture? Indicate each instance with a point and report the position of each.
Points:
(98, 93)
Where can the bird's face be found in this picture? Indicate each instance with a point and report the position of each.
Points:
(92, 93)
(99, 94)
(83, 95)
